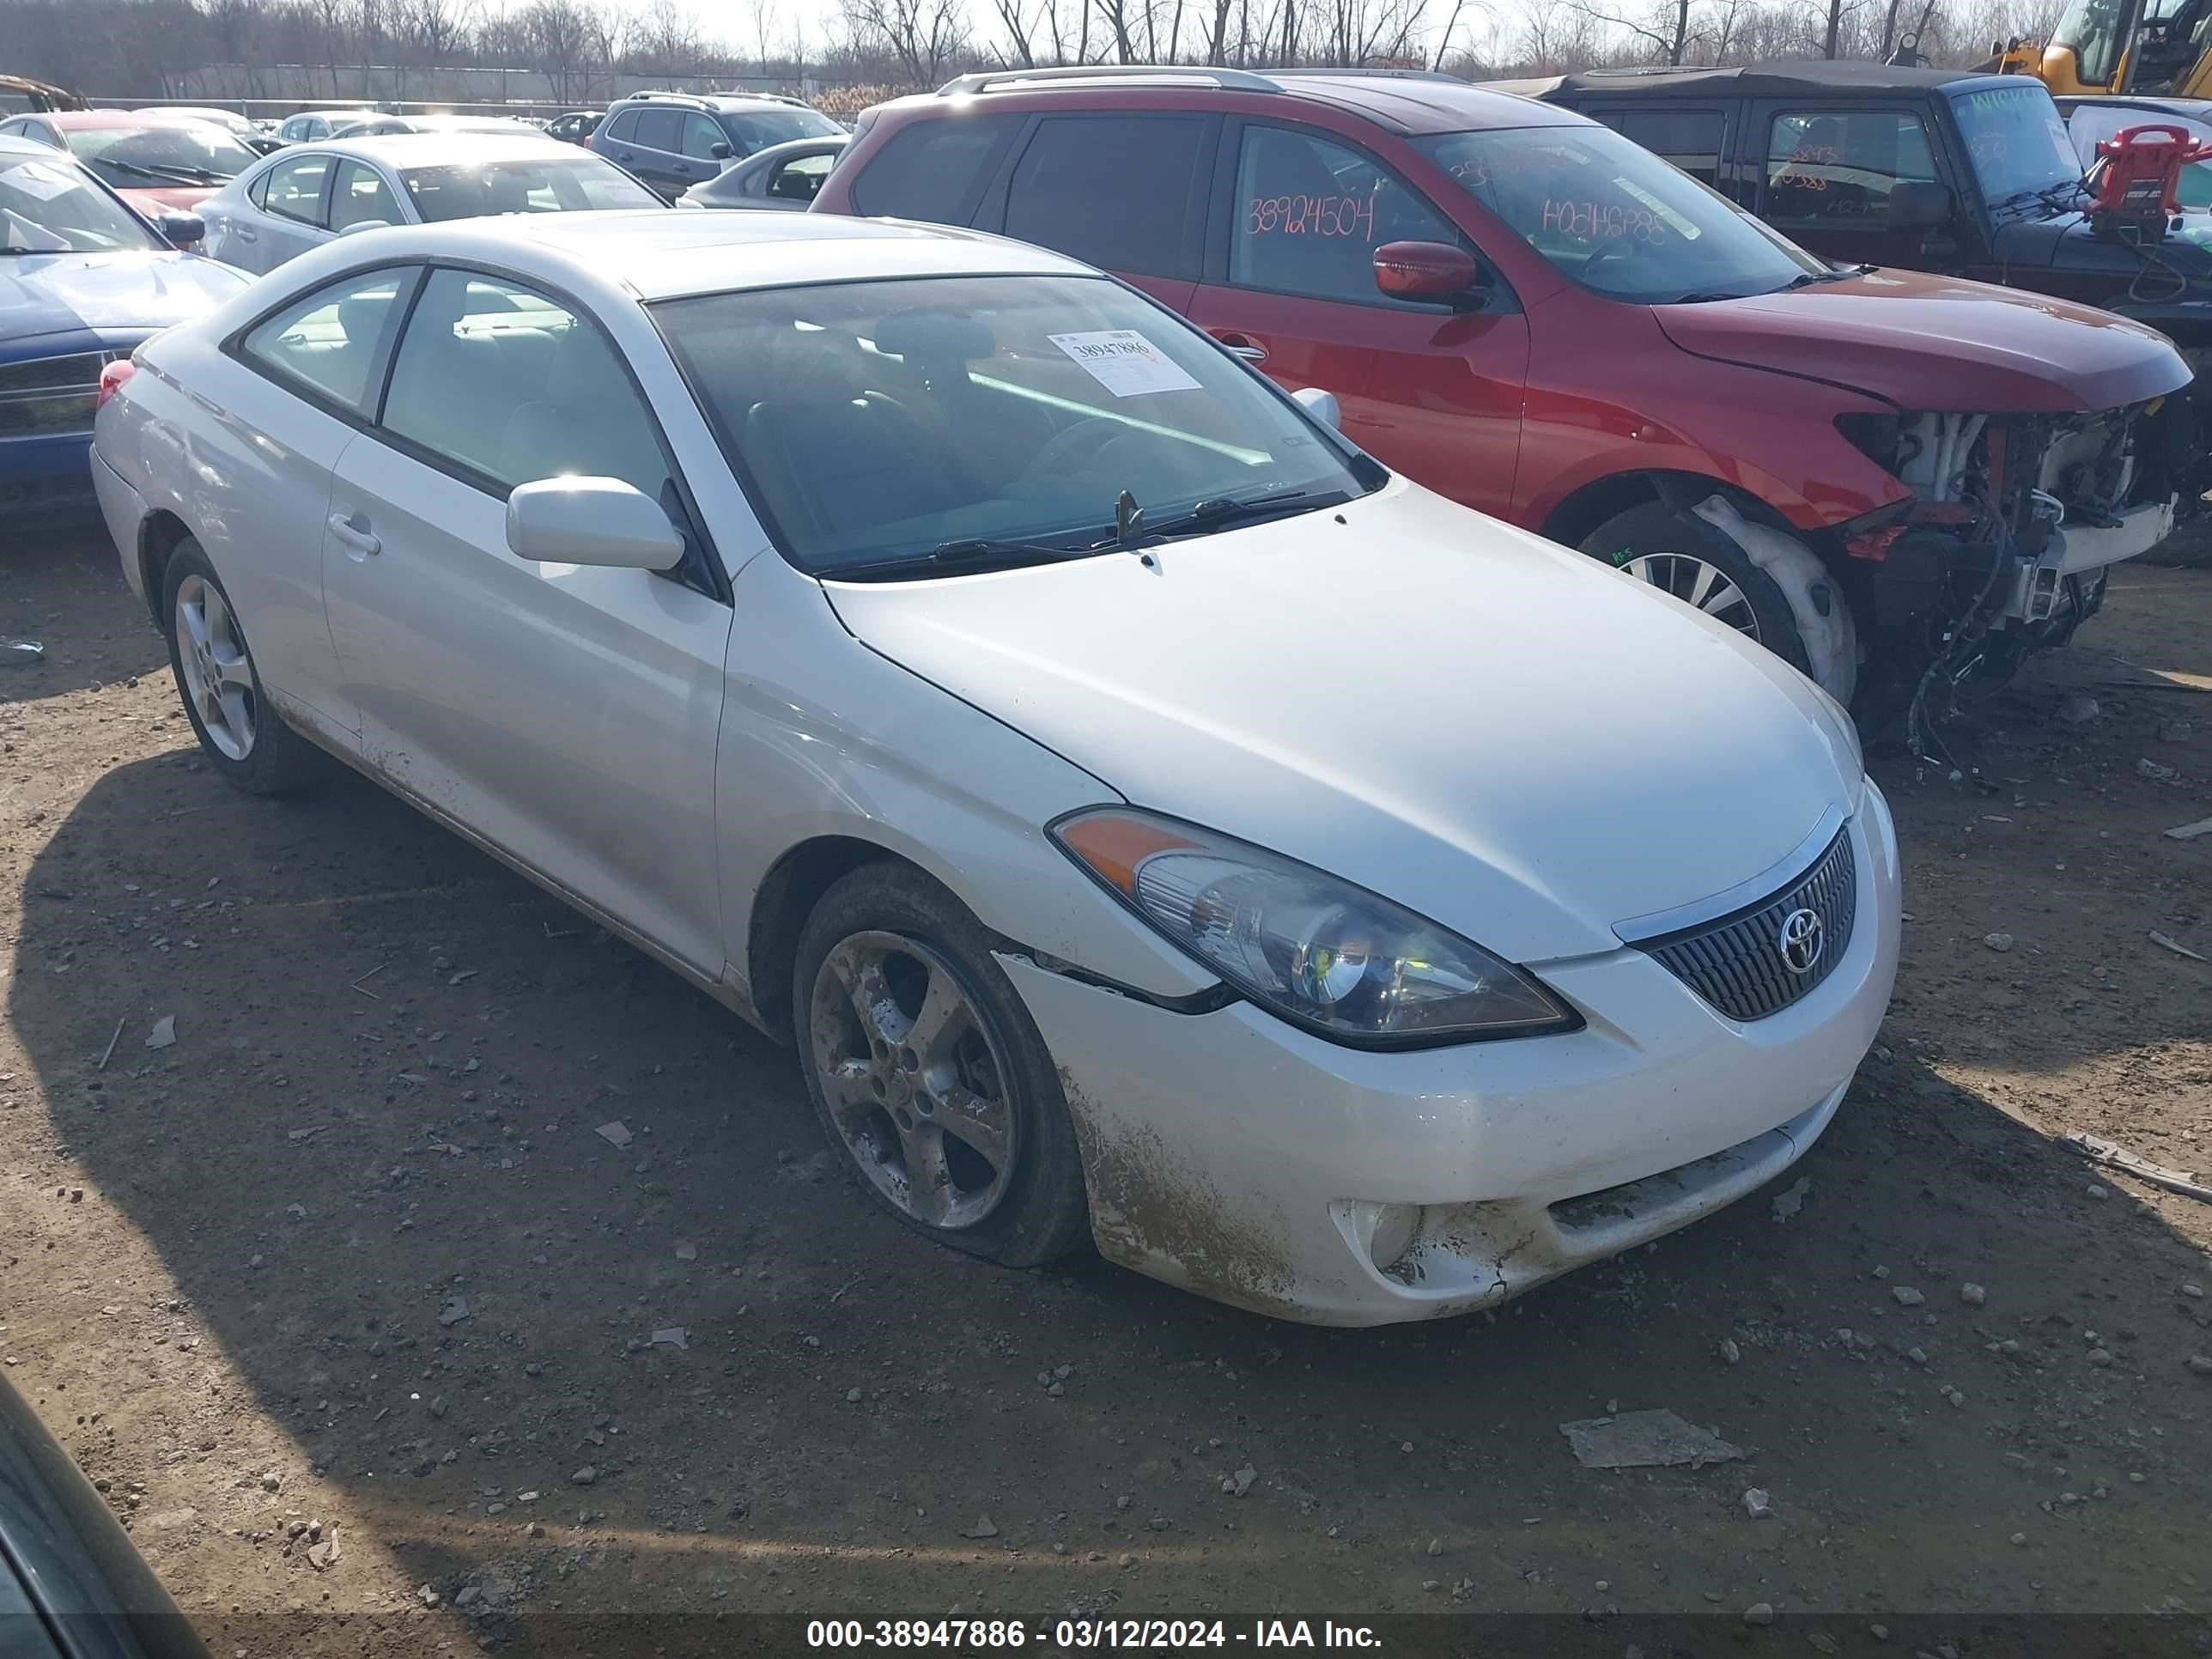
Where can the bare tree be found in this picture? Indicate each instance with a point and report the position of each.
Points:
(923, 38)
(1666, 30)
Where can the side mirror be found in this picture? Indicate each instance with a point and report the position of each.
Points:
(182, 229)
(365, 224)
(1914, 205)
(719, 152)
(1426, 271)
(593, 522)
(1322, 406)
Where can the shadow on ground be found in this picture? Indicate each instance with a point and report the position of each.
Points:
(370, 1165)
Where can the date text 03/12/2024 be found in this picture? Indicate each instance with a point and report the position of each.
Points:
(1084, 1633)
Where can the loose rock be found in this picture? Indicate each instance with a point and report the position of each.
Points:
(1906, 1295)
(1973, 1295)
(1758, 1612)
(1998, 942)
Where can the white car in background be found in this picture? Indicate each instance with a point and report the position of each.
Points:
(1150, 819)
(304, 195)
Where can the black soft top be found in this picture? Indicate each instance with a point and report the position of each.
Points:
(1783, 78)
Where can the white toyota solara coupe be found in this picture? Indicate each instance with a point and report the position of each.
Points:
(1149, 818)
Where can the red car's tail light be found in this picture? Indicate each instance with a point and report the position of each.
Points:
(111, 380)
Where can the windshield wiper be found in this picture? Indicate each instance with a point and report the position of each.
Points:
(1220, 511)
(969, 554)
(160, 175)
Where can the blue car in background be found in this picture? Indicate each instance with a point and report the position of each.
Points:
(83, 279)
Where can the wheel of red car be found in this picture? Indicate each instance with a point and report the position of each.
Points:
(1700, 567)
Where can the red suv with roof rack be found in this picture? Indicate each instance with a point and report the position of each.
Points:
(1897, 481)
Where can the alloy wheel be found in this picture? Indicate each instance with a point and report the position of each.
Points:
(218, 675)
(914, 1083)
(1693, 581)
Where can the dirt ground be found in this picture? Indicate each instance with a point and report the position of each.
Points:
(348, 1261)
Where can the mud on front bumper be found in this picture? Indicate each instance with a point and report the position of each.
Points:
(1231, 1154)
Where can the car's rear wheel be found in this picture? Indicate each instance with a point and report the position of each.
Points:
(242, 736)
(930, 1080)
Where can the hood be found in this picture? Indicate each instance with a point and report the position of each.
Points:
(140, 290)
(154, 200)
(1938, 343)
(1513, 739)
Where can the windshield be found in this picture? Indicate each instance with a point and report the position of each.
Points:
(881, 421)
(556, 184)
(49, 207)
(2017, 141)
(1615, 218)
(752, 130)
(190, 153)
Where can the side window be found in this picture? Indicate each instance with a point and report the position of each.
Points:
(933, 170)
(799, 180)
(258, 191)
(1836, 170)
(1691, 138)
(361, 197)
(624, 125)
(294, 190)
(1113, 190)
(316, 128)
(328, 342)
(1311, 214)
(702, 135)
(661, 129)
(501, 381)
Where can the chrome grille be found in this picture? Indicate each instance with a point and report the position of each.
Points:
(49, 397)
(1737, 962)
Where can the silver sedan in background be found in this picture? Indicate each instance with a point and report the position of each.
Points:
(305, 194)
(784, 177)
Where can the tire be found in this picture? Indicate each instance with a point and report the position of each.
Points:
(1662, 547)
(886, 953)
(239, 732)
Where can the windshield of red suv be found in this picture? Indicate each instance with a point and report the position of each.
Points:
(189, 153)
(1615, 218)
(2017, 141)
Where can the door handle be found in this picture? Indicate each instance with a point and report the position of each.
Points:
(355, 537)
(626, 156)
(1250, 350)
(246, 234)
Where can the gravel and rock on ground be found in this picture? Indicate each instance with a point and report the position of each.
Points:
(352, 1312)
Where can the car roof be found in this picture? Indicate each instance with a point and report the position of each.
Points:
(1781, 78)
(658, 255)
(1403, 102)
(94, 120)
(449, 149)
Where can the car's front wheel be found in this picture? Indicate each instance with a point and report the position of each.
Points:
(1785, 601)
(240, 733)
(930, 1080)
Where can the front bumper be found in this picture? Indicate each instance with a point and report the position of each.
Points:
(1234, 1155)
(40, 475)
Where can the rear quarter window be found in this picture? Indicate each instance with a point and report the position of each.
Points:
(934, 169)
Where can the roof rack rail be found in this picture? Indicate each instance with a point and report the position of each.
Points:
(669, 97)
(1233, 80)
(1381, 74)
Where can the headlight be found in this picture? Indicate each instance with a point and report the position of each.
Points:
(1321, 953)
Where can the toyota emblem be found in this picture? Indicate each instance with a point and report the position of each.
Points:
(1803, 936)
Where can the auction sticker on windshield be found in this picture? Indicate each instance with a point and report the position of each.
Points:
(1124, 362)
(38, 181)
